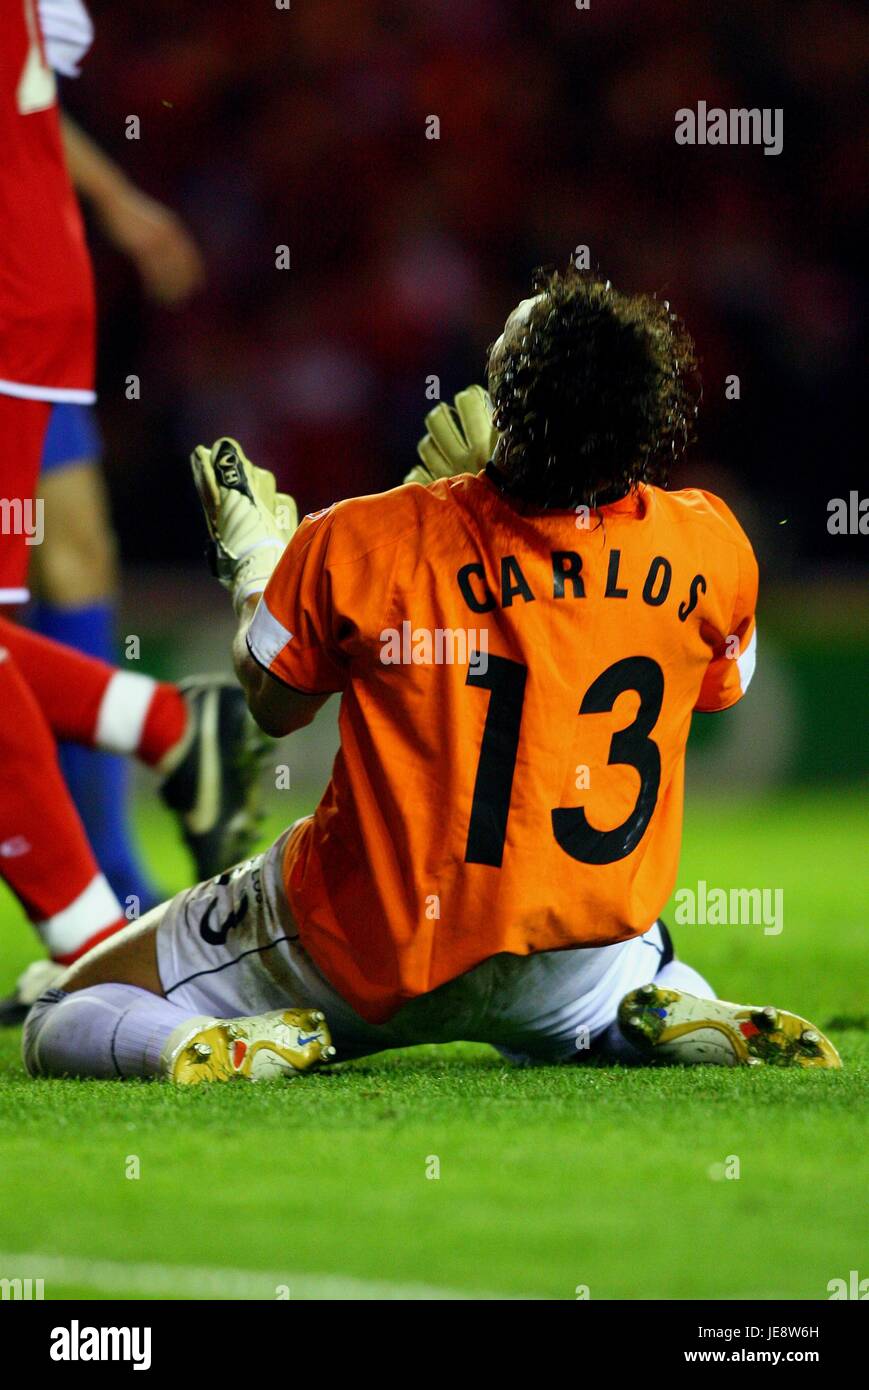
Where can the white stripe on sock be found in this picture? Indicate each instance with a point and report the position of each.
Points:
(91, 912)
(123, 710)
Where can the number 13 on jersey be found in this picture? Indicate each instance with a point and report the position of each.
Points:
(505, 680)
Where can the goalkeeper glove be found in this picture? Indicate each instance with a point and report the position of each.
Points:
(249, 521)
(460, 440)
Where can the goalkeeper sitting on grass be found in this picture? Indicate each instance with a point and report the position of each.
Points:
(501, 829)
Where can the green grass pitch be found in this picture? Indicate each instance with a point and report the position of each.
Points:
(551, 1179)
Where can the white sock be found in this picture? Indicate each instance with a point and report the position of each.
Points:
(123, 711)
(87, 916)
(106, 1031)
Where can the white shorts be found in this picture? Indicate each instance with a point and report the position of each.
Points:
(230, 947)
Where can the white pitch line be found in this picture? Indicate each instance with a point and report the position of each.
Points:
(115, 1277)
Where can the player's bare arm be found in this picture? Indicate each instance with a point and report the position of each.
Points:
(154, 237)
(276, 707)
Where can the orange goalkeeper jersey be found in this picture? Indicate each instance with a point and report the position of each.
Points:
(516, 694)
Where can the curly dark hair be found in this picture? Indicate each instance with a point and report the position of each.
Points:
(596, 393)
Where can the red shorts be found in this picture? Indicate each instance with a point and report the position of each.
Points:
(22, 435)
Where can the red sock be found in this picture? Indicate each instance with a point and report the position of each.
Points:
(87, 701)
(164, 724)
(67, 685)
(44, 853)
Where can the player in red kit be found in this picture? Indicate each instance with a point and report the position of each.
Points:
(47, 316)
(46, 287)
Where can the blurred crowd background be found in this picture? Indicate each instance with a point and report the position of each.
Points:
(306, 127)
